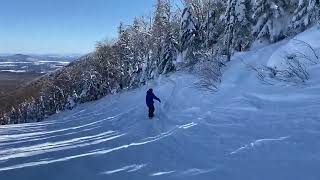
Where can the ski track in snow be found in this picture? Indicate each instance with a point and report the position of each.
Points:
(45, 148)
(257, 143)
(130, 168)
(246, 130)
(162, 173)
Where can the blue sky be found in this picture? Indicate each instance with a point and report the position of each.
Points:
(63, 26)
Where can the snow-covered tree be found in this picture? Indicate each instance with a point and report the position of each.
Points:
(305, 14)
(168, 56)
(140, 46)
(230, 20)
(243, 26)
(161, 35)
(237, 26)
(270, 18)
(188, 33)
(210, 30)
(160, 27)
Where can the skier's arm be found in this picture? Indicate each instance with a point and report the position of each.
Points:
(156, 98)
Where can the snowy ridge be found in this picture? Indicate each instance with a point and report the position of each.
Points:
(246, 130)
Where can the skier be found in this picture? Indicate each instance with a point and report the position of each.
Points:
(149, 100)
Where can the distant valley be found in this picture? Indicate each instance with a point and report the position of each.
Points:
(19, 69)
(20, 63)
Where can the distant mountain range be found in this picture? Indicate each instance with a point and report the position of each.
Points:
(34, 63)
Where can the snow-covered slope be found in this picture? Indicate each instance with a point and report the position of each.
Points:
(247, 130)
(300, 46)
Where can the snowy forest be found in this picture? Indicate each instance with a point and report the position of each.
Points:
(174, 38)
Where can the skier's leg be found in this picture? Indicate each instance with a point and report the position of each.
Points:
(151, 111)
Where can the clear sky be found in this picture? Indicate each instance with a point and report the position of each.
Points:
(63, 26)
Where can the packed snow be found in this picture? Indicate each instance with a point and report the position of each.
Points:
(246, 130)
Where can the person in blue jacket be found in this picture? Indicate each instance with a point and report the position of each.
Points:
(149, 100)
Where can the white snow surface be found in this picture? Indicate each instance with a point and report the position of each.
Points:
(245, 131)
(298, 45)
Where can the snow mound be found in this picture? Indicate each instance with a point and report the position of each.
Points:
(300, 46)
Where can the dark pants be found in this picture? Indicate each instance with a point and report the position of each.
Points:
(151, 111)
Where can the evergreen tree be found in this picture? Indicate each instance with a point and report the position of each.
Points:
(306, 13)
(160, 33)
(230, 20)
(187, 35)
(269, 22)
(237, 31)
(243, 26)
(209, 28)
(141, 49)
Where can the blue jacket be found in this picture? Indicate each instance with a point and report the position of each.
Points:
(149, 98)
